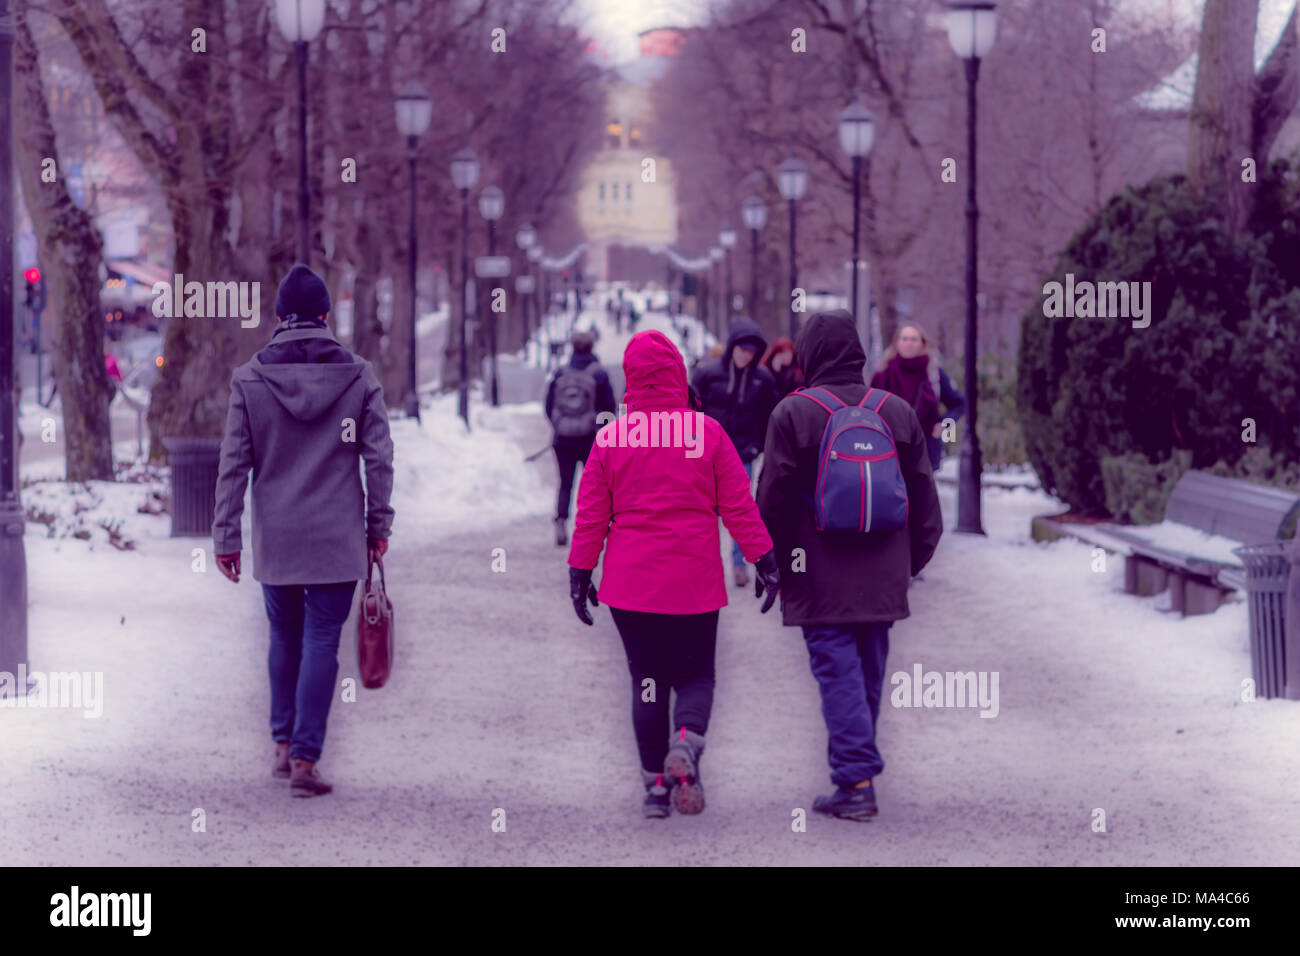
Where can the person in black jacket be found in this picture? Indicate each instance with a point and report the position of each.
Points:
(847, 587)
(576, 395)
(736, 391)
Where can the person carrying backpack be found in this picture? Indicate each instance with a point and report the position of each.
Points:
(846, 480)
(576, 395)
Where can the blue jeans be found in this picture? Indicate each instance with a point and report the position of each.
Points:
(738, 556)
(304, 663)
(849, 664)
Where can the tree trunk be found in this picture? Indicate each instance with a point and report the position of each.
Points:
(71, 252)
(1222, 107)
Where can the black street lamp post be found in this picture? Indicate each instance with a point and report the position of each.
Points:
(857, 129)
(753, 211)
(301, 21)
(715, 283)
(13, 554)
(525, 236)
(491, 205)
(972, 25)
(464, 174)
(792, 180)
(414, 111)
(727, 239)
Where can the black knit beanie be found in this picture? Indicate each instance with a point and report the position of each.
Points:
(302, 293)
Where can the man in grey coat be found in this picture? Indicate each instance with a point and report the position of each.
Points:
(305, 415)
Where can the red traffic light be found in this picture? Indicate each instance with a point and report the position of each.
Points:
(32, 275)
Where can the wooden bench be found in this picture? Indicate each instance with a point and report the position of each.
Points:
(1200, 572)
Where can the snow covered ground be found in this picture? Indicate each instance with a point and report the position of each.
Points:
(501, 700)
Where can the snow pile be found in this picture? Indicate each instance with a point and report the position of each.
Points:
(1172, 536)
(448, 479)
(103, 513)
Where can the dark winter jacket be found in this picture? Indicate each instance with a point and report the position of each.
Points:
(841, 577)
(954, 407)
(305, 415)
(741, 400)
(604, 397)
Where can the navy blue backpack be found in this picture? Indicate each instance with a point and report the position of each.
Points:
(860, 486)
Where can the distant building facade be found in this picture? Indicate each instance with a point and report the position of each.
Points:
(627, 200)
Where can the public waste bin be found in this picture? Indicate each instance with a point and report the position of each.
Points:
(194, 484)
(1268, 569)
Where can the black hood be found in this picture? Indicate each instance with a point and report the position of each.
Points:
(829, 350)
(744, 331)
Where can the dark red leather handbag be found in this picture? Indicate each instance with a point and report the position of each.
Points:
(375, 630)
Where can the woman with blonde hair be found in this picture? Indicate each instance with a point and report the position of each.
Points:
(910, 368)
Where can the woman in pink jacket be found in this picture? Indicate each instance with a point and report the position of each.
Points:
(650, 495)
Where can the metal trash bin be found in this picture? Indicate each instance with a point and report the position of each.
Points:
(194, 464)
(1268, 570)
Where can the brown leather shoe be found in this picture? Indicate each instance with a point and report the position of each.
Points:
(280, 766)
(305, 780)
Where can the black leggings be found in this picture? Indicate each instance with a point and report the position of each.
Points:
(675, 651)
(566, 459)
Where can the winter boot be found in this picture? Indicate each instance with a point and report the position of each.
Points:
(849, 803)
(280, 765)
(682, 767)
(305, 780)
(742, 576)
(657, 804)
(561, 535)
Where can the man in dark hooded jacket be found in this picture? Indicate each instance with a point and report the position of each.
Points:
(305, 416)
(844, 588)
(739, 394)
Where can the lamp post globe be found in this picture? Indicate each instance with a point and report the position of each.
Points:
(792, 179)
(972, 27)
(464, 169)
(300, 20)
(414, 110)
(491, 203)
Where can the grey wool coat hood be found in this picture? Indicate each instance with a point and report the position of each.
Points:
(306, 429)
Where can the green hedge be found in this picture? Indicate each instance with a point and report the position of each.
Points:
(1223, 344)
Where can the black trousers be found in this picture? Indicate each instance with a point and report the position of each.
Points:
(567, 457)
(675, 652)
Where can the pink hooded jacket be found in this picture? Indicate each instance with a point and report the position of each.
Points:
(659, 506)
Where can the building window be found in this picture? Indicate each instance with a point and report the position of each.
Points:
(602, 192)
(614, 134)
(628, 188)
(615, 192)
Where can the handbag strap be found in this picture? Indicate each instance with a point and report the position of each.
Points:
(370, 575)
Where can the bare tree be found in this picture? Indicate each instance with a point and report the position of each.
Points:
(71, 252)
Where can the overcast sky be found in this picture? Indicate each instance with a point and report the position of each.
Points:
(614, 24)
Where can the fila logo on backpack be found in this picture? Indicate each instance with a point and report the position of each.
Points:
(860, 485)
(573, 414)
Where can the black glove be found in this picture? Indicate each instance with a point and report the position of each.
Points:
(581, 590)
(767, 578)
